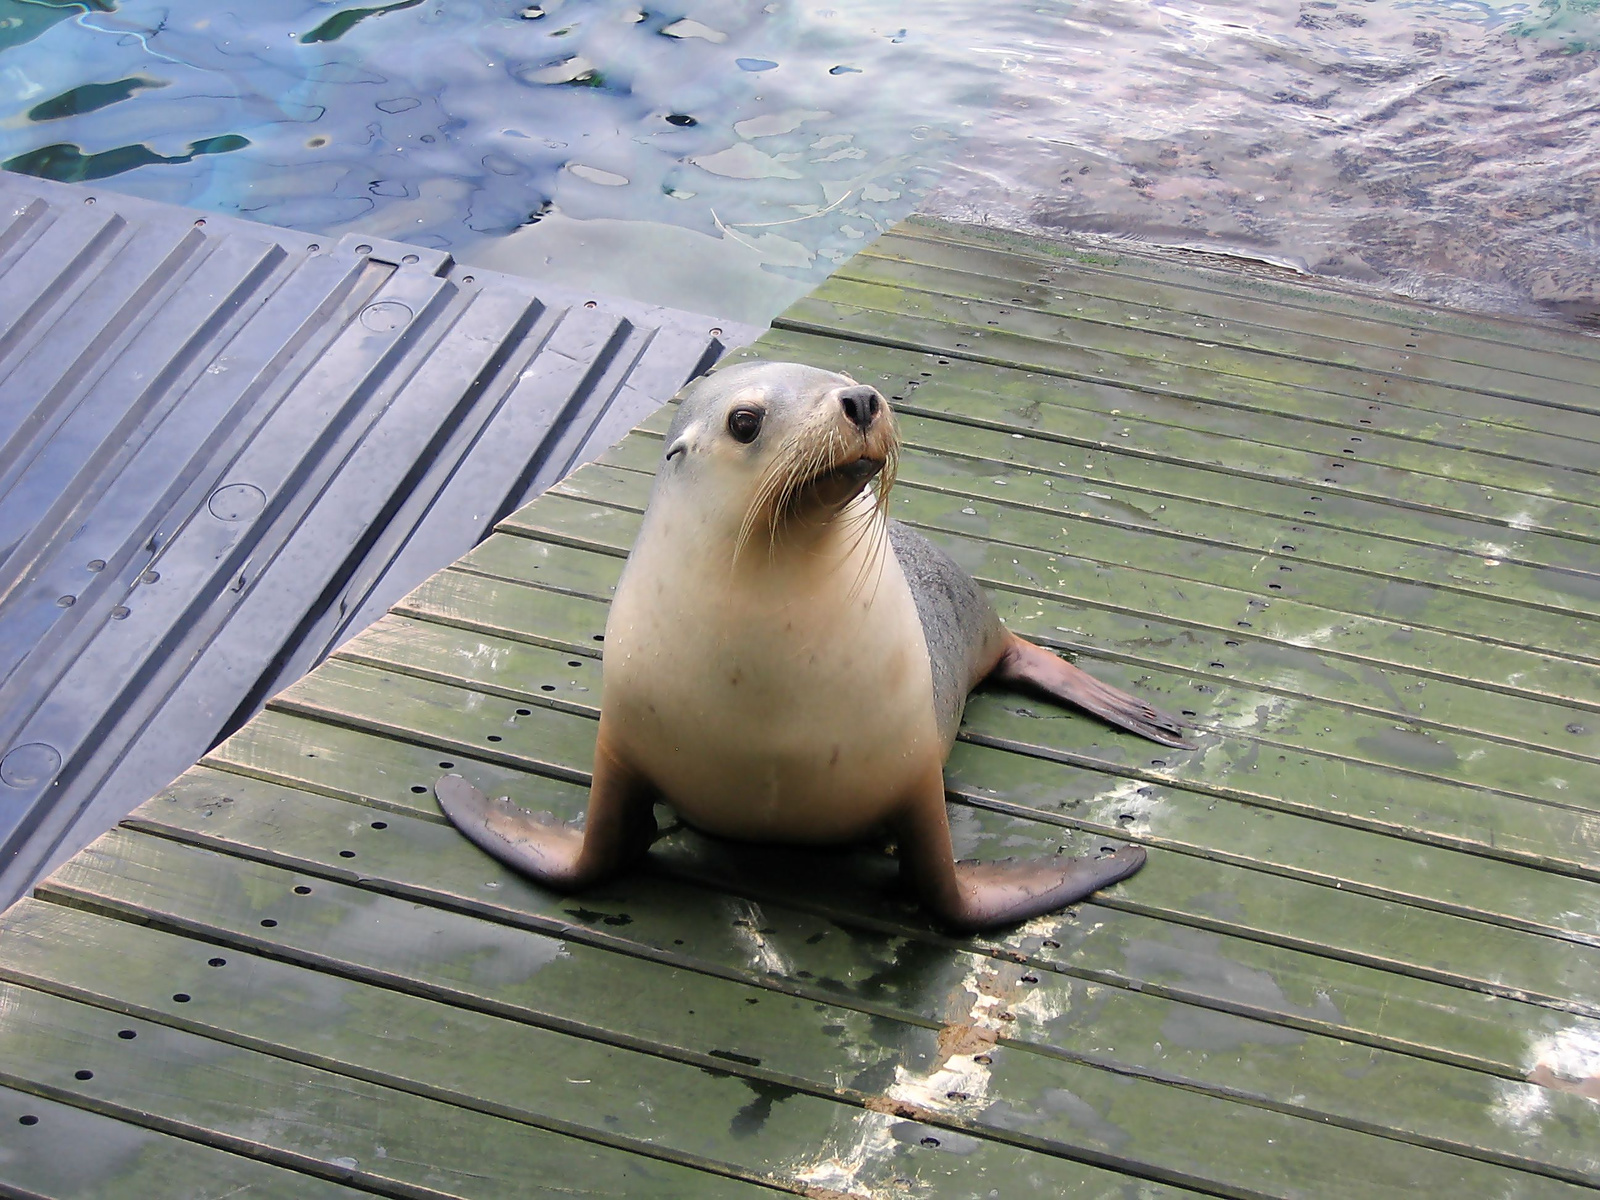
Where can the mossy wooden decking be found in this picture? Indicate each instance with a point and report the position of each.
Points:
(1356, 541)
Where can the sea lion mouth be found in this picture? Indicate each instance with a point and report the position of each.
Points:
(817, 475)
(857, 471)
(834, 487)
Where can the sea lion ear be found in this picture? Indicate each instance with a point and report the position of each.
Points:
(678, 447)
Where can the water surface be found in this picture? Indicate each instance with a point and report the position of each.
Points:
(725, 157)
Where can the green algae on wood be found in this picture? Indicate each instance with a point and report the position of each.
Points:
(1352, 540)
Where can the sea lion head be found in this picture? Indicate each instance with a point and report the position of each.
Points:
(775, 448)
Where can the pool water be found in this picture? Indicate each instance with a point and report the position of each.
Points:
(725, 157)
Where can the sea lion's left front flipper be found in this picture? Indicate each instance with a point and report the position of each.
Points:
(617, 831)
(1024, 663)
(972, 895)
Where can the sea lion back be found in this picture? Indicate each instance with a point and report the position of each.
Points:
(959, 625)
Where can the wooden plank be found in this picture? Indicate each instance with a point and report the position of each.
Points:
(1485, 767)
(1193, 890)
(1102, 945)
(1270, 397)
(1069, 580)
(1096, 800)
(720, 1115)
(1256, 665)
(328, 1125)
(985, 464)
(1469, 337)
(54, 1151)
(1445, 632)
(424, 1048)
(992, 507)
(574, 571)
(448, 599)
(1318, 781)
(427, 950)
(1374, 797)
(1407, 378)
(1150, 594)
(1093, 800)
(1545, 904)
(1386, 781)
(1364, 959)
(1146, 483)
(1107, 459)
(1016, 1085)
(1025, 396)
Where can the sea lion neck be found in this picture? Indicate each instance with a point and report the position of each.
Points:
(820, 536)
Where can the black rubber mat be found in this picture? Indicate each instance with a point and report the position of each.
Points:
(226, 447)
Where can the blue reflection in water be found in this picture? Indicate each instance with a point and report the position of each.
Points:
(725, 156)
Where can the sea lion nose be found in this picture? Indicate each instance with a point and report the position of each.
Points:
(860, 404)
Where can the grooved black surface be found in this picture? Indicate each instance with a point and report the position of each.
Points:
(225, 447)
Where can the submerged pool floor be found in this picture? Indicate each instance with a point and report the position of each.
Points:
(1356, 542)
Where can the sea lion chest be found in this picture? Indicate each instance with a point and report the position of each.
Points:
(788, 703)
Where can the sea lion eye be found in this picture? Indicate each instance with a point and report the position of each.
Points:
(744, 424)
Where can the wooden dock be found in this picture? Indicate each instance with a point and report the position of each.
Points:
(1358, 541)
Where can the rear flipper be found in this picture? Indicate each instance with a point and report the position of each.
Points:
(1023, 663)
(971, 895)
(616, 834)
(1014, 889)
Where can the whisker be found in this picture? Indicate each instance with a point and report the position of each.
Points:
(793, 465)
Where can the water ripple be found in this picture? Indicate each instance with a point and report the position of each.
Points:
(726, 156)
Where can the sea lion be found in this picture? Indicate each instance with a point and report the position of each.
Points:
(786, 664)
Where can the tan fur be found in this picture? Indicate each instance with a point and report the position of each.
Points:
(767, 670)
(790, 700)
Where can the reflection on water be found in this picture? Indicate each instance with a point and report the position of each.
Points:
(725, 156)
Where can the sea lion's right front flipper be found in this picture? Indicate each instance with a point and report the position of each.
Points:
(971, 895)
(616, 833)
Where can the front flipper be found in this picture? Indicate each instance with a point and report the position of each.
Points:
(617, 831)
(1034, 666)
(970, 895)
